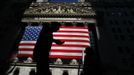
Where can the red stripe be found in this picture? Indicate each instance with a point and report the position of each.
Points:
(52, 56)
(67, 51)
(61, 31)
(65, 57)
(54, 50)
(76, 36)
(55, 35)
(83, 41)
(73, 31)
(72, 40)
(67, 40)
(26, 44)
(25, 49)
(74, 27)
(69, 45)
(25, 55)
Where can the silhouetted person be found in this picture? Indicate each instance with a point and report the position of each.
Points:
(81, 73)
(90, 63)
(32, 72)
(65, 73)
(17, 71)
(43, 46)
(49, 72)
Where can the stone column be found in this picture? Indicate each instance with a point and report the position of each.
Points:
(40, 1)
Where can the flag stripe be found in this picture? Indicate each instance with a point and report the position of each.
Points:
(71, 33)
(27, 47)
(58, 47)
(78, 31)
(25, 55)
(54, 53)
(52, 56)
(65, 44)
(82, 41)
(77, 36)
(66, 54)
(76, 43)
(68, 48)
(71, 45)
(54, 50)
(69, 51)
(28, 42)
(73, 29)
(72, 38)
(25, 52)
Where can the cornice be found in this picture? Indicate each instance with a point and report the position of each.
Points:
(59, 9)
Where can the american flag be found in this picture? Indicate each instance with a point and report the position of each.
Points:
(76, 39)
(28, 41)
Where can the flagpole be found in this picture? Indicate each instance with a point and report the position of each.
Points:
(83, 57)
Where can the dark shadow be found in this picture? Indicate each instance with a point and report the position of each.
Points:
(10, 25)
(65, 73)
(91, 63)
(43, 47)
(80, 24)
(68, 24)
(110, 13)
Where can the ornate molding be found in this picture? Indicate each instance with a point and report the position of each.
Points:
(37, 19)
(44, 9)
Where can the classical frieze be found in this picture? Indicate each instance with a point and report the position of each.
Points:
(60, 9)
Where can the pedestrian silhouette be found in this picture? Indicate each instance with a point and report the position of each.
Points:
(43, 46)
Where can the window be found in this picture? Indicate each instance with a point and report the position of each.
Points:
(124, 22)
(132, 13)
(119, 30)
(108, 14)
(119, 14)
(113, 30)
(116, 22)
(127, 49)
(124, 61)
(131, 37)
(131, 60)
(128, 30)
(125, 13)
(111, 22)
(130, 22)
(133, 28)
(120, 50)
(122, 37)
(116, 37)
